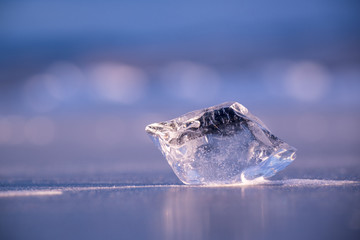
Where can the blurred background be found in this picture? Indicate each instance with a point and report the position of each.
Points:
(80, 80)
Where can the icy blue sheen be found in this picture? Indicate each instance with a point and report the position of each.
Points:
(223, 144)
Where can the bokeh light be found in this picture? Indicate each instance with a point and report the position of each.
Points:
(118, 82)
(12, 129)
(39, 130)
(37, 95)
(66, 80)
(307, 81)
(191, 81)
(274, 76)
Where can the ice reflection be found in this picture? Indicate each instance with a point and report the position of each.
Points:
(217, 213)
(260, 212)
(184, 217)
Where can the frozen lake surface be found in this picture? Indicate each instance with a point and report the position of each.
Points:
(149, 206)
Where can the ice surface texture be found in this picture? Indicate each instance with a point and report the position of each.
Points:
(223, 144)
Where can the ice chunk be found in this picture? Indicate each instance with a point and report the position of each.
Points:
(223, 144)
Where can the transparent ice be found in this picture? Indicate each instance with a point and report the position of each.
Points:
(223, 144)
